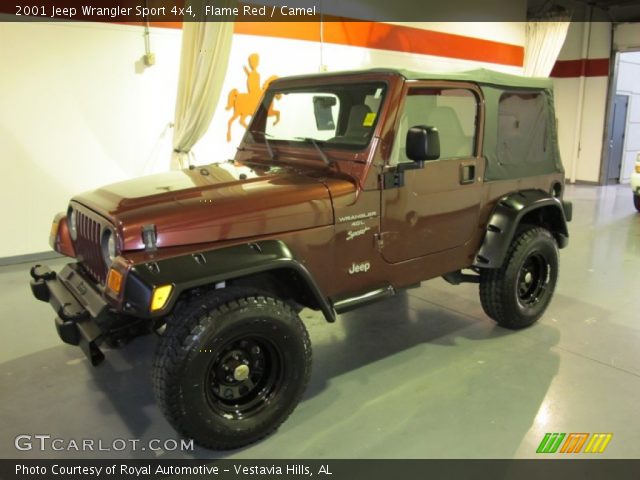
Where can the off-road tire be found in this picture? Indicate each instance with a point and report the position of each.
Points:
(636, 201)
(207, 332)
(505, 295)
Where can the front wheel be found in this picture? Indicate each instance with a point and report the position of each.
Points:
(231, 367)
(517, 294)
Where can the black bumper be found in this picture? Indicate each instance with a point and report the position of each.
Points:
(80, 308)
(568, 210)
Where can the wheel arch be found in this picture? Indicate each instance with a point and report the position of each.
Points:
(529, 207)
(269, 263)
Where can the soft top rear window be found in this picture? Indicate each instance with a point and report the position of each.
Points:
(522, 128)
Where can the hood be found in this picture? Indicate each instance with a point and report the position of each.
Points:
(212, 203)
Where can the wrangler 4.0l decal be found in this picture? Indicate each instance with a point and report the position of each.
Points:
(359, 216)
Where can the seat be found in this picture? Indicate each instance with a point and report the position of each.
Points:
(357, 131)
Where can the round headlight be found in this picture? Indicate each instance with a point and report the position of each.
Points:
(71, 223)
(109, 247)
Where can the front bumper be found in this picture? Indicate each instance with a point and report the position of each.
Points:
(567, 207)
(635, 183)
(80, 308)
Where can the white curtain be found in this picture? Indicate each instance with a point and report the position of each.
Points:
(544, 40)
(203, 65)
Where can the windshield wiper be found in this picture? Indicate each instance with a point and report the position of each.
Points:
(313, 142)
(272, 153)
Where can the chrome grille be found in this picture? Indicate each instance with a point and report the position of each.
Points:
(88, 249)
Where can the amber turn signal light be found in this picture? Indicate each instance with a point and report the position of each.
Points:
(160, 297)
(114, 281)
(53, 234)
(54, 228)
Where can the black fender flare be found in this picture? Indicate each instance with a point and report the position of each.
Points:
(507, 216)
(200, 268)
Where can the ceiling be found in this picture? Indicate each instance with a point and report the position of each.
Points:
(617, 10)
(603, 10)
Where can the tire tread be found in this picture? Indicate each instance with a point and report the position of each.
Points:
(183, 328)
(493, 288)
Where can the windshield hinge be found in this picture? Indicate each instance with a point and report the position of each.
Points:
(393, 179)
(379, 240)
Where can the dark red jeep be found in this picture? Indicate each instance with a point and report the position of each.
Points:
(370, 182)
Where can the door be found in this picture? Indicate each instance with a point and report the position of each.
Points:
(616, 137)
(436, 207)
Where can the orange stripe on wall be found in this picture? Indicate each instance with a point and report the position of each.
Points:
(384, 36)
(396, 38)
(592, 67)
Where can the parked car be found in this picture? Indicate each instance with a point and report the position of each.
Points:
(369, 182)
(635, 184)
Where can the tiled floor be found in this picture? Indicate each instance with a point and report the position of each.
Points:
(423, 375)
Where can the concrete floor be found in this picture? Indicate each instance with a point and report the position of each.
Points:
(423, 375)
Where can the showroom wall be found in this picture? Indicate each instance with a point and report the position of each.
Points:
(626, 36)
(581, 78)
(628, 83)
(78, 110)
(81, 110)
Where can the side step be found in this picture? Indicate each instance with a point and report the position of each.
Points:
(457, 277)
(351, 303)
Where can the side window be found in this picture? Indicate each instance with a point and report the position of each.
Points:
(452, 111)
(522, 128)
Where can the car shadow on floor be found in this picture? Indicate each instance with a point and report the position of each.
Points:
(116, 400)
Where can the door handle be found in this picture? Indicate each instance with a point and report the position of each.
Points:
(467, 173)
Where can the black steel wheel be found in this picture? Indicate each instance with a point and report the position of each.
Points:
(517, 294)
(244, 376)
(533, 280)
(231, 367)
(636, 201)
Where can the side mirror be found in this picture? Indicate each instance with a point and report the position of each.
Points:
(423, 143)
(322, 109)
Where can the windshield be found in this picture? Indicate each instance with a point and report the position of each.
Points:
(337, 115)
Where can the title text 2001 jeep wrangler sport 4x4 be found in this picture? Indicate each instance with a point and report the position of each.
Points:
(370, 182)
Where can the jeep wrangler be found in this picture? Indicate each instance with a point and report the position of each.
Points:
(367, 183)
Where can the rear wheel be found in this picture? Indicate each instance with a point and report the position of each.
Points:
(231, 367)
(636, 201)
(517, 294)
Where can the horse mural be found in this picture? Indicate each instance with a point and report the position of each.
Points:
(244, 104)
